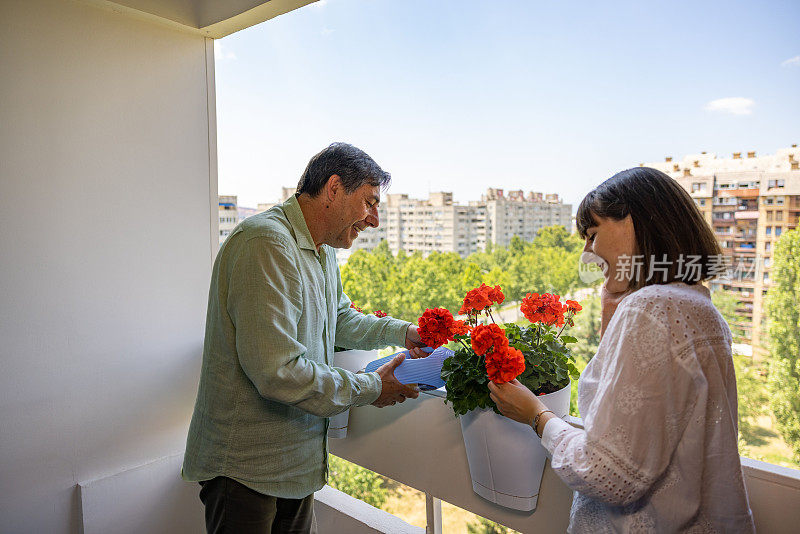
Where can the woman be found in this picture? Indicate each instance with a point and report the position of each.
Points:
(658, 451)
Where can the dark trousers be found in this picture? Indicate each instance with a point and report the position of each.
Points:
(233, 508)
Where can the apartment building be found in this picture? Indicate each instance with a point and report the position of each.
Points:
(749, 201)
(228, 215)
(439, 224)
(502, 216)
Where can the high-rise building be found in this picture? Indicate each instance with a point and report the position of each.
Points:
(228, 215)
(439, 224)
(503, 216)
(749, 201)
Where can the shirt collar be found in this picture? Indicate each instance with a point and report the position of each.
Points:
(295, 217)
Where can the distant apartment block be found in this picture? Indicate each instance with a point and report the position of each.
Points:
(749, 201)
(228, 215)
(439, 224)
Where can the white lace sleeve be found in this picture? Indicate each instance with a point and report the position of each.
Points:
(635, 419)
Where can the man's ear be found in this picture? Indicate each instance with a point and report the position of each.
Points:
(333, 187)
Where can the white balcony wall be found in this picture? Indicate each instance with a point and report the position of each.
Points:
(108, 197)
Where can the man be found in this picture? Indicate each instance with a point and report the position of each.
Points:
(258, 438)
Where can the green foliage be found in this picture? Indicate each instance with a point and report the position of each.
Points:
(587, 329)
(753, 399)
(466, 381)
(549, 366)
(727, 302)
(357, 481)
(404, 285)
(784, 334)
(485, 526)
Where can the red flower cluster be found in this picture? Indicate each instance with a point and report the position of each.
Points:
(545, 309)
(503, 363)
(504, 366)
(356, 308)
(486, 338)
(379, 313)
(480, 298)
(437, 327)
(573, 306)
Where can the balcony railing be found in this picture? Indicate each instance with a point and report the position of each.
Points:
(419, 443)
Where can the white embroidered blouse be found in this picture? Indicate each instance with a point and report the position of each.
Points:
(658, 452)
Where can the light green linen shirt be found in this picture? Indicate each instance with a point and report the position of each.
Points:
(275, 311)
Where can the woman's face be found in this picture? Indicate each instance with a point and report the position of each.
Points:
(615, 242)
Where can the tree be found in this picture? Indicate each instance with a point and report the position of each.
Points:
(587, 330)
(404, 285)
(783, 315)
(750, 382)
(357, 481)
(727, 302)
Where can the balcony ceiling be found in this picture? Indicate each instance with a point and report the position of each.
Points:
(212, 18)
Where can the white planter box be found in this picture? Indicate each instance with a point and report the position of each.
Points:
(506, 458)
(337, 429)
(351, 360)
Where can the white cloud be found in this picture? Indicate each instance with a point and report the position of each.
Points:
(791, 62)
(735, 105)
(221, 53)
(326, 32)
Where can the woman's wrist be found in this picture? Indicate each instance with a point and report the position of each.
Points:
(545, 417)
(536, 408)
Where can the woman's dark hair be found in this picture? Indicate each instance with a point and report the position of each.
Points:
(674, 241)
(351, 164)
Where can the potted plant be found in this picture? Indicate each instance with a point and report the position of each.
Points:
(506, 459)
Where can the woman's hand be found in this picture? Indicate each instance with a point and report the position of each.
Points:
(414, 343)
(515, 401)
(608, 305)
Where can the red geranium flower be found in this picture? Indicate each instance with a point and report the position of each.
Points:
(475, 301)
(356, 308)
(496, 295)
(436, 327)
(504, 366)
(545, 309)
(460, 328)
(573, 306)
(480, 298)
(379, 313)
(487, 338)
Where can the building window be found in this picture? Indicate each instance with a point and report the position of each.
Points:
(779, 201)
(769, 215)
(767, 247)
(779, 216)
(778, 231)
(769, 201)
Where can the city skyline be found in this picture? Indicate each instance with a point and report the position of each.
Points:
(450, 97)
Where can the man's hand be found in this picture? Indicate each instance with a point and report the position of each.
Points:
(393, 391)
(414, 343)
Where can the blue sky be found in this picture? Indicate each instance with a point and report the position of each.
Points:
(464, 95)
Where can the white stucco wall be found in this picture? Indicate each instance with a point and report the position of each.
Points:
(106, 179)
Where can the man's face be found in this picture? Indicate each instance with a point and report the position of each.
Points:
(352, 213)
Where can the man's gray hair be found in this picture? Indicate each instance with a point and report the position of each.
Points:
(351, 164)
